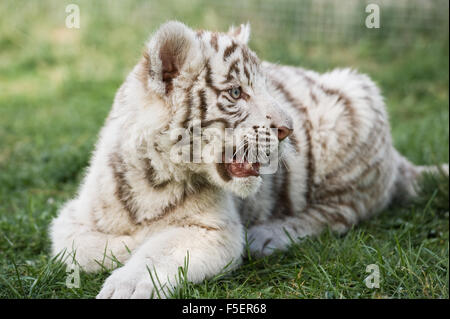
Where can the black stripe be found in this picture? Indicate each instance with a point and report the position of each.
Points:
(307, 127)
(208, 79)
(227, 98)
(222, 171)
(150, 176)
(123, 190)
(188, 105)
(247, 74)
(213, 41)
(283, 206)
(228, 51)
(333, 216)
(233, 67)
(223, 109)
(240, 120)
(203, 104)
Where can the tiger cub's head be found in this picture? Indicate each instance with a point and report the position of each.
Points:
(222, 113)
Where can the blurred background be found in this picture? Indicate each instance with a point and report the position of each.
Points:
(57, 84)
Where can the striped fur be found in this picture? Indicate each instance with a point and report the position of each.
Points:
(141, 206)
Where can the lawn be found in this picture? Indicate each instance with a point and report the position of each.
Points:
(57, 86)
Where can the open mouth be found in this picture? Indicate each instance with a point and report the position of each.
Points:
(241, 168)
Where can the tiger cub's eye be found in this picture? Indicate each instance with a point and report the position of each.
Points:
(235, 92)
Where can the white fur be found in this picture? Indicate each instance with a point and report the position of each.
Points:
(147, 228)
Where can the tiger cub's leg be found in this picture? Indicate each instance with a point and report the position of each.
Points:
(154, 266)
(74, 238)
(279, 233)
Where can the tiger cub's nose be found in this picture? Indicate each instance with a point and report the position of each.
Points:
(283, 132)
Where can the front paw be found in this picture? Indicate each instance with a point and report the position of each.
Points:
(130, 282)
(263, 241)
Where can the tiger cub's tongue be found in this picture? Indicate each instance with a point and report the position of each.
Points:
(244, 169)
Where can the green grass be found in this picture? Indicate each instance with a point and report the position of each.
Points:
(57, 85)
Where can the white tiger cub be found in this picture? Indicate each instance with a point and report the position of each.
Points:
(136, 205)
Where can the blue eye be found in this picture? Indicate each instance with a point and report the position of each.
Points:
(235, 92)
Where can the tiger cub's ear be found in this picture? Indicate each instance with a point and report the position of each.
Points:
(241, 33)
(168, 52)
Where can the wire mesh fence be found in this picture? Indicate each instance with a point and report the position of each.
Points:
(338, 21)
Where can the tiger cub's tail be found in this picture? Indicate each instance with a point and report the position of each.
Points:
(409, 176)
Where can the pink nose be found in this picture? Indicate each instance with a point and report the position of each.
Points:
(283, 132)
